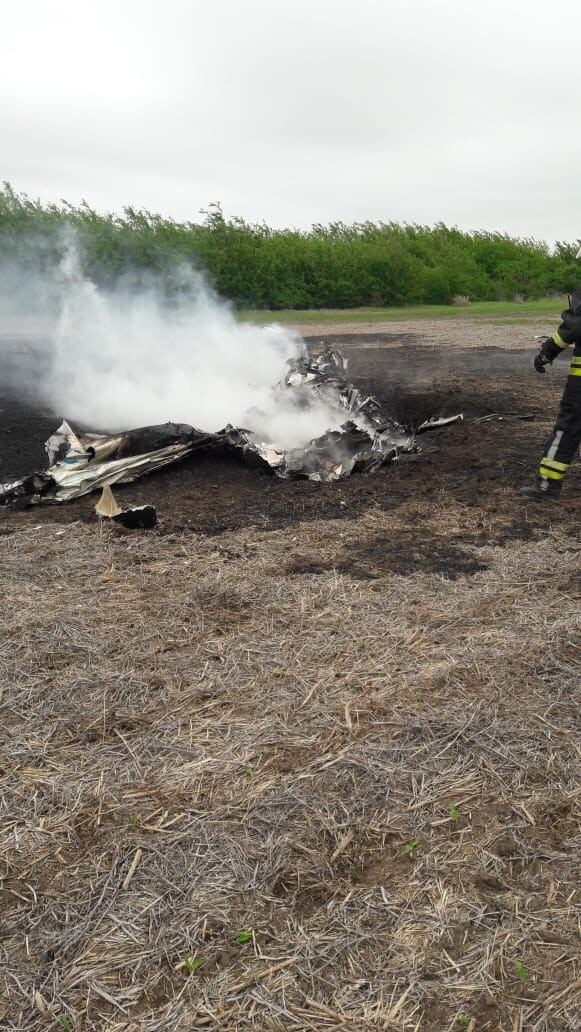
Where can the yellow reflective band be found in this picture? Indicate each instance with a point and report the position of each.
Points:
(550, 474)
(575, 371)
(558, 340)
(576, 361)
(560, 467)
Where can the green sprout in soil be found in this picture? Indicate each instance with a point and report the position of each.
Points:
(244, 936)
(194, 963)
(521, 971)
(410, 847)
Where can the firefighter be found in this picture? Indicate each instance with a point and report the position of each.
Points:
(566, 436)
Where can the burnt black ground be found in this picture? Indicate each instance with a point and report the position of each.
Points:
(472, 466)
(23, 430)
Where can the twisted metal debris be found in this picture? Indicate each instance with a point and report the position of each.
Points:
(81, 462)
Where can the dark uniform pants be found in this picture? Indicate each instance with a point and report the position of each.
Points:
(566, 436)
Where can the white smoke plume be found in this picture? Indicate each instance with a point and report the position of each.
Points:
(125, 358)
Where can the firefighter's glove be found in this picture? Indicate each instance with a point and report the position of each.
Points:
(542, 360)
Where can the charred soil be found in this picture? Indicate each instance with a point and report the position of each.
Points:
(478, 464)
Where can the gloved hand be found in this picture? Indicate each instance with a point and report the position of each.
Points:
(542, 359)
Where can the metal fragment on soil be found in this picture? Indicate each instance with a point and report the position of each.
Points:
(138, 517)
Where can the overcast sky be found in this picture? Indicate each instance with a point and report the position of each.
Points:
(299, 111)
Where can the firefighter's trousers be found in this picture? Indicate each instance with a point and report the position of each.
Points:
(566, 436)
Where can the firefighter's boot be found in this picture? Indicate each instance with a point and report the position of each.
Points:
(542, 490)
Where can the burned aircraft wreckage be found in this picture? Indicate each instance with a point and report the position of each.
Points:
(81, 462)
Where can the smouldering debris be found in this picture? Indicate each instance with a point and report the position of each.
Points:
(81, 462)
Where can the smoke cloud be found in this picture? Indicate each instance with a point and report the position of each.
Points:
(127, 357)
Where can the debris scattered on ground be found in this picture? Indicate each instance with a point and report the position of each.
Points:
(107, 506)
(82, 462)
(525, 417)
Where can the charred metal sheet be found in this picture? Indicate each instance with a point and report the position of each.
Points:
(138, 517)
(80, 463)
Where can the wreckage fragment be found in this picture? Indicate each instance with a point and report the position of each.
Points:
(326, 377)
(337, 454)
(107, 506)
(437, 422)
(28, 491)
(139, 517)
(80, 463)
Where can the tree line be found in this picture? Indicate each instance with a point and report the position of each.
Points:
(332, 266)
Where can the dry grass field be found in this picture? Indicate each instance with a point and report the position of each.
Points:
(306, 757)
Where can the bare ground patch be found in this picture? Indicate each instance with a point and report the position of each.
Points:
(378, 778)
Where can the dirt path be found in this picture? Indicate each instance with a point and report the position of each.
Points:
(460, 332)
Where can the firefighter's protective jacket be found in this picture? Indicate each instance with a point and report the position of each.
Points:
(566, 437)
(569, 331)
